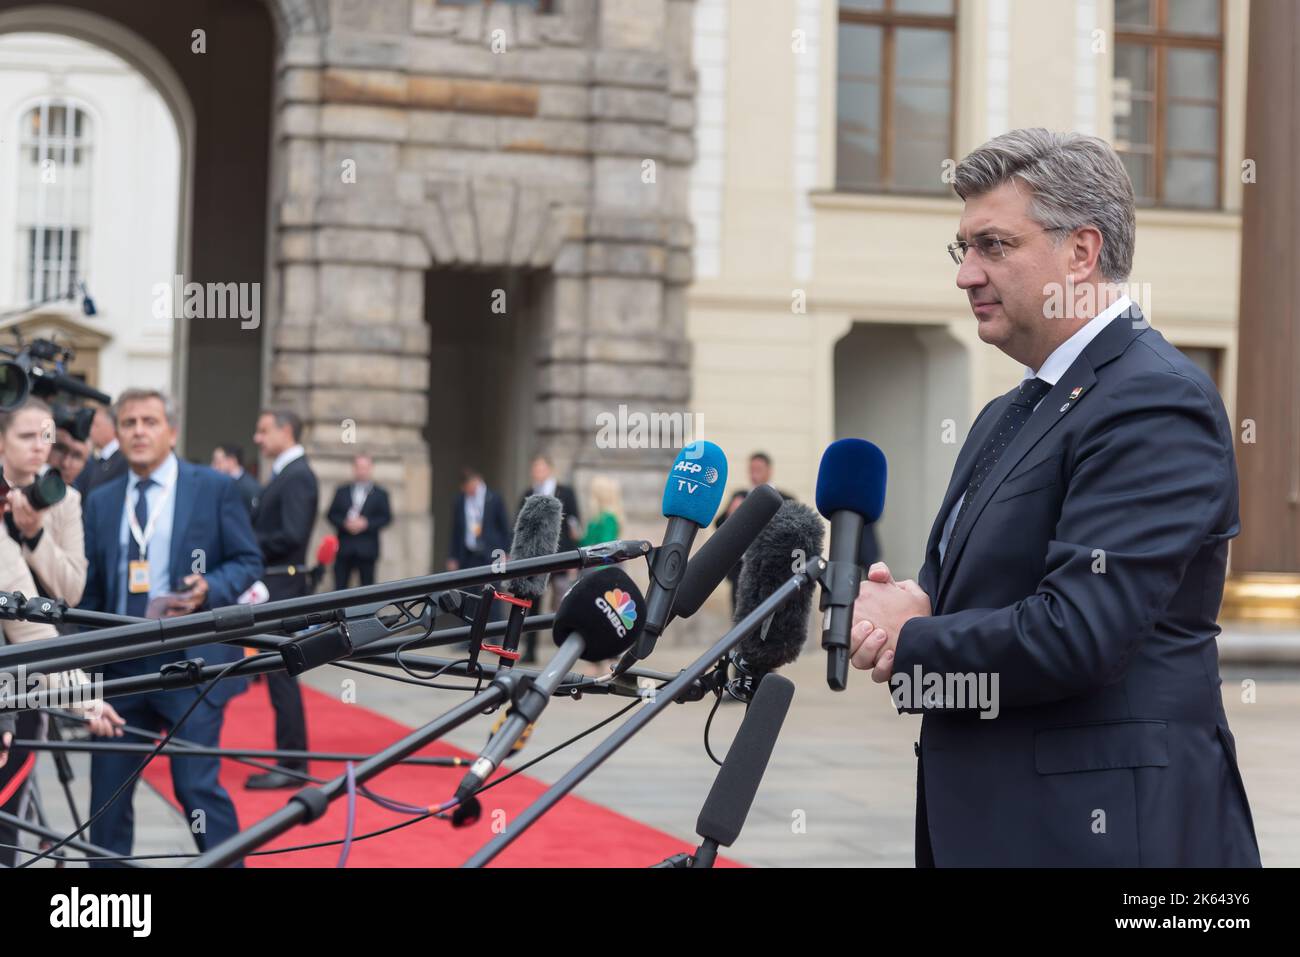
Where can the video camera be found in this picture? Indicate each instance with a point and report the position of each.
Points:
(39, 368)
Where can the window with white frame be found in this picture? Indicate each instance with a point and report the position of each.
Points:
(55, 156)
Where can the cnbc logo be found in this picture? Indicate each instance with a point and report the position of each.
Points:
(706, 472)
(619, 608)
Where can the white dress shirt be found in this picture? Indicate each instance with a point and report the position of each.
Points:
(1053, 367)
(159, 497)
(292, 453)
(474, 508)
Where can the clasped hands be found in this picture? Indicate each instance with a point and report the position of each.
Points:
(881, 609)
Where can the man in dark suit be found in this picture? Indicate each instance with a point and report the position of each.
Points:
(286, 512)
(480, 527)
(107, 463)
(167, 527)
(760, 473)
(228, 459)
(358, 512)
(1062, 631)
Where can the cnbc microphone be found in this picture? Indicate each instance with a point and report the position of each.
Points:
(598, 618)
(691, 499)
(537, 534)
(850, 492)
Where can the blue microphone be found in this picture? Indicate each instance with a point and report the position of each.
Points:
(692, 495)
(850, 492)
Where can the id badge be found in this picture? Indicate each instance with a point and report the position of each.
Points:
(137, 577)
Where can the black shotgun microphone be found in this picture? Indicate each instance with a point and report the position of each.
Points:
(736, 785)
(599, 618)
(850, 492)
(725, 547)
(691, 498)
(537, 533)
(793, 537)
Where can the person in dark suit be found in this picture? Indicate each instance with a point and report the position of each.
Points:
(167, 534)
(1064, 618)
(107, 463)
(760, 473)
(543, 482)
(286, 513)
(480, 527)
(228, 459)
(358, 512)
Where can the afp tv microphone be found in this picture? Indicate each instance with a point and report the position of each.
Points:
(692, 494)
(598, 618)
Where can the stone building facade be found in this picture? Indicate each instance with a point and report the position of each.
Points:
(482, 137)
(474, 232)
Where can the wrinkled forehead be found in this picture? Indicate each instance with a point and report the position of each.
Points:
(1002, 211)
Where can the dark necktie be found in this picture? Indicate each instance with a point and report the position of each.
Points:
(1017, 414)
(138, 602)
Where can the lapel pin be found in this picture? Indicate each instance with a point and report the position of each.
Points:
(1074, 394)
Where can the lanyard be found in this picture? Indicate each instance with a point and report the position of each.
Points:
(132, 523)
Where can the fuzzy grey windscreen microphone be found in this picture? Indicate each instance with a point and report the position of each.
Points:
(794, 534)
(537, 533)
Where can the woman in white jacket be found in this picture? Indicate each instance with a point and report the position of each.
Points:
(52, 539)
(41, 551)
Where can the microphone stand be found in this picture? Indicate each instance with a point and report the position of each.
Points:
(685, 680)
(312, 802)
(93, 850)
(234, 622)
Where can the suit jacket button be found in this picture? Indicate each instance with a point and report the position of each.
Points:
(916, 748)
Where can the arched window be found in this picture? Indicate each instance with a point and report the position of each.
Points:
(55, 153)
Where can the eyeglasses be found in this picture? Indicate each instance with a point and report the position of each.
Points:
(990, 246)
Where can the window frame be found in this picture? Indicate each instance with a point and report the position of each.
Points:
(1159, 41)
(40, 227)
(543, 8)
(889, 21)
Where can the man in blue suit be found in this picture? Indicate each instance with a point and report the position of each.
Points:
(1060, 641)
(170, 534)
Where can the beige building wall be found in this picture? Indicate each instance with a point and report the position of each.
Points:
(787, 269)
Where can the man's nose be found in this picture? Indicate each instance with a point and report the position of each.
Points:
(970, 274)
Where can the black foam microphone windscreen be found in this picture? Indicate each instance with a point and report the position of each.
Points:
(537, 533)
(793, 536)
(709, 566)
(733, 791)
(606, 608)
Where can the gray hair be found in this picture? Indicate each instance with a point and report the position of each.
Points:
(138, 395)
(1076, 181)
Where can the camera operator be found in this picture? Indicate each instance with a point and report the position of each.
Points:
(68, 455)
(51, 538)
(41, 551)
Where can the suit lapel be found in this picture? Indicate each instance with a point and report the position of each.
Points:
(110, 521)
(961, 473)
(185, 494)
(1072, 388)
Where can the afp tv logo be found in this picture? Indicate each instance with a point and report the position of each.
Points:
(690, 476)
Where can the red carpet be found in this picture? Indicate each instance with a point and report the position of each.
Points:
(574, 833)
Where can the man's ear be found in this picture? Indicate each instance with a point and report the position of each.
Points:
(1085, 252)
